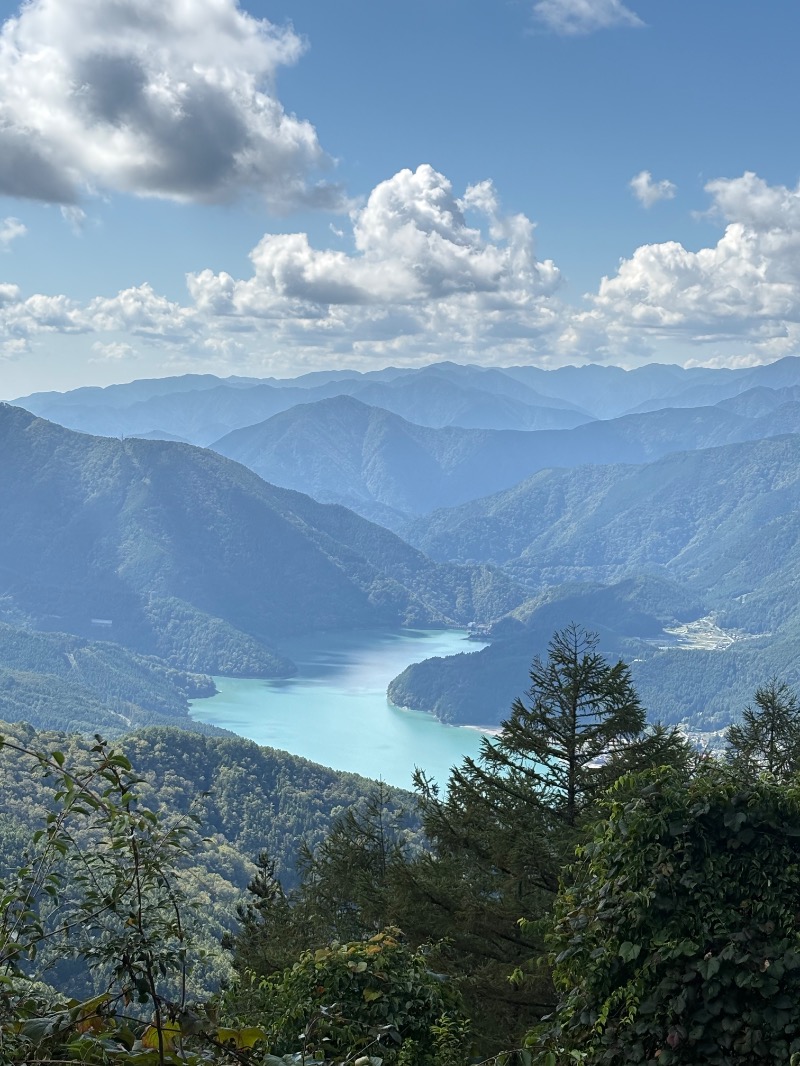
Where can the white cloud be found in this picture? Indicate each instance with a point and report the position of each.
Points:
(746, 288)
(413, 246)
(574, 17)
(430, 275)
(10, 229)
(735, 362)
(152, 97)
(9, 294)
(142, 312)
(649, 192)
(114, 351)
(75, 217)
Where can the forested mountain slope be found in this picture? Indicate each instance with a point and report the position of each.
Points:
(342, 451)
(724, 521)
(55, 680)
(720, 528)
(248, 798)
(175, 551)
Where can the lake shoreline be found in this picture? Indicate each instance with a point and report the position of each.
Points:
(335, 711)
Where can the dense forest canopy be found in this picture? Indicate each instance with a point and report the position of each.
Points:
(425, 929)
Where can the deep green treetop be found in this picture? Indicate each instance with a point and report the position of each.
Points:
(511, 820)
(768, 737)
(581, 726)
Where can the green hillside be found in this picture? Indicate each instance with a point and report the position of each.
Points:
(703, 544)
(174, 551)
(55, 680)
(248, 798)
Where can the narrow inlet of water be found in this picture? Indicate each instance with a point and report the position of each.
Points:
(335, 710)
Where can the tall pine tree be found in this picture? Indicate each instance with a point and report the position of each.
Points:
(768, 737)
(512, 818)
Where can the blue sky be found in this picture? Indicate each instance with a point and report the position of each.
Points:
(269, 188)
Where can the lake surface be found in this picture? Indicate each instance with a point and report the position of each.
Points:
(335, 710)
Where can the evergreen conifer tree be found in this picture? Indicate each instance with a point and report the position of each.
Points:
(768, 737)
(512, 818)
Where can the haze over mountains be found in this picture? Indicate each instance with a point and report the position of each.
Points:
(340, 450)
(635, 502)
(203, 408)
(177, 552)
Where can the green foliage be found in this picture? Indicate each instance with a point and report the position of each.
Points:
(104, 884)
(677, 938)
(348, 879)
(100, 884)
(347, 886)
(63, 681)
(375, 997)
(512, 818)
(768, 737)
(251, 798)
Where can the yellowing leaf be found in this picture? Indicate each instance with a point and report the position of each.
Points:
(241, 1038)
(170, 1031)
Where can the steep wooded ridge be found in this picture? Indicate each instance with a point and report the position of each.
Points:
(174, 551)
(249, 797)
(341, 450)
(711, 534)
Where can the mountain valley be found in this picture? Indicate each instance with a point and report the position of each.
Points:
(631, 523)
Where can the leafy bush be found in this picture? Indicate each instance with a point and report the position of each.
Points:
(678, 941)
(374, 998)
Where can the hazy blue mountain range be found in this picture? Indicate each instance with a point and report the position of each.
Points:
(686, 512)
(761, 400)
(785, 373)
(203, 408)
(435, 396)
(719, 528)
(725, 521)
(341, 451)
(178, 552)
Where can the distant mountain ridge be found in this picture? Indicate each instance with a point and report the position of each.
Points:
(202, 408)
(436, 396)
(175, 551)
(340, 450)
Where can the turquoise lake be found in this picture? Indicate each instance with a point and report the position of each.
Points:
(335, 710)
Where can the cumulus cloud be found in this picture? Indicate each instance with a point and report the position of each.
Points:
(10, 229)
(151, 97)
(141, 312)
(430, 274)
(744, 288)
(649, 192)
(426, 273)
(575, 17)
(114, 352)
(413, 246)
